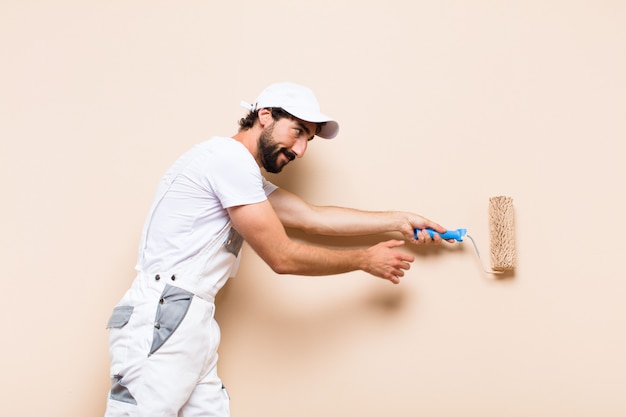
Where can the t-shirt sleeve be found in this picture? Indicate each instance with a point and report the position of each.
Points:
(236, 178)
(269, 187)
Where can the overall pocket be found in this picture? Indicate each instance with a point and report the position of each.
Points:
(120, 317)
(173, 307)
(234, 242)
(119, 339)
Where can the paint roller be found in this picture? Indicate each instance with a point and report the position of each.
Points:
(501, 235)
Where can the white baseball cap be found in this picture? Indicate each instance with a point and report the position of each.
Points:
(297, 100)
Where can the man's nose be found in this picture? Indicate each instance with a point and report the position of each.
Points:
(299, 148)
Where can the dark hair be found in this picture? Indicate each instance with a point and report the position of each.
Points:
(247, 122)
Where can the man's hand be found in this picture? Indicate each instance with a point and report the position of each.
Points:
(384, 261)
(414, 221)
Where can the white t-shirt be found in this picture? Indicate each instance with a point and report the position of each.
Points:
(196, 191)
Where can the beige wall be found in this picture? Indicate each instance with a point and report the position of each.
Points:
(442, 104)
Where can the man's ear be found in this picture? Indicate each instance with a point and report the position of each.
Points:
(265, 117)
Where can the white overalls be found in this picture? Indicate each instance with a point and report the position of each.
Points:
(164, 338)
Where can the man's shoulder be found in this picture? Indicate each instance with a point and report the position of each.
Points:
(222, 146)
(219, 152)
(221, 141)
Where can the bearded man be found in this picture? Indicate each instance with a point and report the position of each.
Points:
(162, 334)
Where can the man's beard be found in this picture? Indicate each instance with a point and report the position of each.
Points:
(270, 151)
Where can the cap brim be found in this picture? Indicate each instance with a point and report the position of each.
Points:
(328, 131)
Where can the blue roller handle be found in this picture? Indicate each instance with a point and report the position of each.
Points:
(457, 234)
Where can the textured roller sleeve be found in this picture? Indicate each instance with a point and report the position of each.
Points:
(502, 233)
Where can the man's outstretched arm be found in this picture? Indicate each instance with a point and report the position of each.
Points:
(296, 213)
(262, 229)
